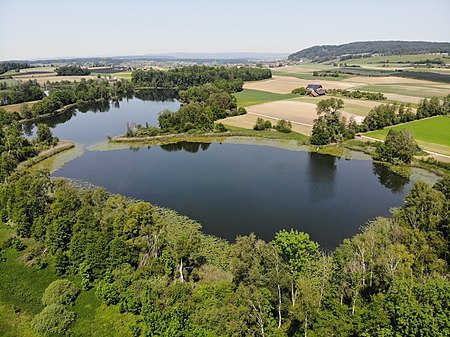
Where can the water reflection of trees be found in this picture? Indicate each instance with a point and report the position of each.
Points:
(322, 174)
(103, 106)
(186, 146)
(395, 182)
(156, 94)
(51, 121)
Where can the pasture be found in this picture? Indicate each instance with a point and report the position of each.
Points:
(432, 134)
(249, 97)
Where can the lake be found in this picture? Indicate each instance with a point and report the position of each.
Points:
(231, 189)
(238, 189)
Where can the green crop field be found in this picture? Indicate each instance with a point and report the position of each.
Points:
(435, 130)
(249, 97)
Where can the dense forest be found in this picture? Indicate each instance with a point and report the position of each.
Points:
(185, 77)
(330, 52)
(389, 280)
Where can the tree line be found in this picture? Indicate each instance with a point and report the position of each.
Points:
(389, 280)
(184, 77)
(373, 96)
(7, 66)
(72, 71)
(392, 114)
(65, 93)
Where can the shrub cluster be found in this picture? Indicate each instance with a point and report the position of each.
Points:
(374, 96)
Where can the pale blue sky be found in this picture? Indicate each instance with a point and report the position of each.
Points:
(57, 28)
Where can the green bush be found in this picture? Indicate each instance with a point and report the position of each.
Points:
(261, 124)
(60, 292)
(284, 126)
(14, 243)
(54, 319)
(300, 91)
(219, 127)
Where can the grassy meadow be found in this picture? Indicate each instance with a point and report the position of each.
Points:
(249, 97)
(432, 133)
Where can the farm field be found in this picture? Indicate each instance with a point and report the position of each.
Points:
(432, 134)
(249, 97)
(125, 75)
(305, 72)
(294, 111)
(285, 84)
(397, 58)
(353, 106)
(53, 78)
(42, 75)
(406, 90)
(248, 121)
(391, 80)
(16, 107)
(272, 99)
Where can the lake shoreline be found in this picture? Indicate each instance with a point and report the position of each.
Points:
(62, 146)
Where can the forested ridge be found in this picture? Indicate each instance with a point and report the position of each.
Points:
(329, 52)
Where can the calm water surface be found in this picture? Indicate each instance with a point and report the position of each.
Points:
(231, 189)
(238, 189)
(93, 123)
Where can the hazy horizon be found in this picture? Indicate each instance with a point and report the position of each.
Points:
(70, 29)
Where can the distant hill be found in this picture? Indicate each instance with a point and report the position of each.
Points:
(349, 50)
